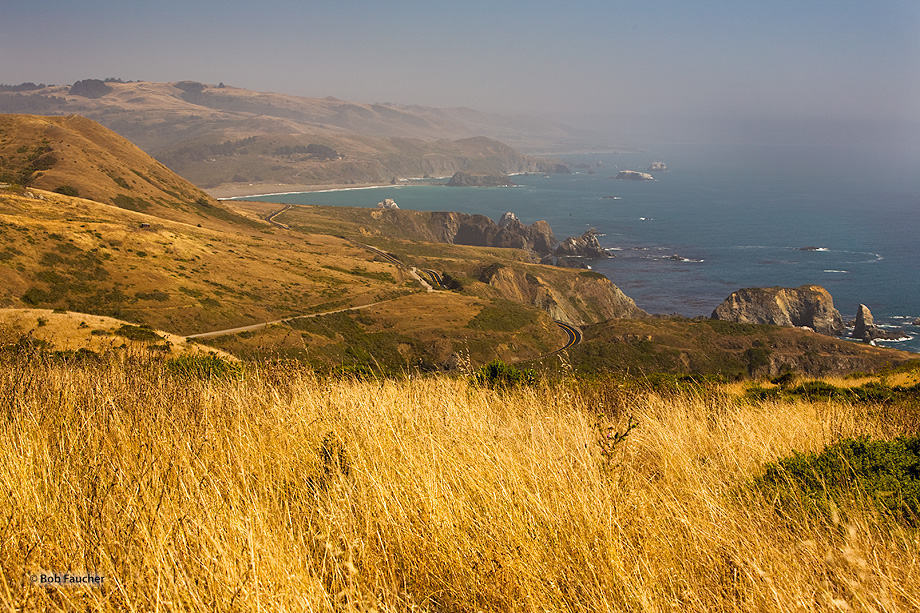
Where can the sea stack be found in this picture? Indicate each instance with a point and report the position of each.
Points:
(658, 167)
(865, 324)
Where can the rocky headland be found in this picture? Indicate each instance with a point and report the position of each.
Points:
(465, 179)
(808, 306)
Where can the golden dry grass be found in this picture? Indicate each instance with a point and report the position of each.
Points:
(69, 331)
(281, 491)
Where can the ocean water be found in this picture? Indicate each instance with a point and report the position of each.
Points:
(722, 218)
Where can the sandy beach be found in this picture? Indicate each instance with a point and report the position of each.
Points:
(265, 189)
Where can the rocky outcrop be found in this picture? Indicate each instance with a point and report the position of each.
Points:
(633, 175)
(574, 298)
(481, 231)
(387, 203)
(808, 306)
(658, 167)
(507, 219)
(464, 179)
(572, 252)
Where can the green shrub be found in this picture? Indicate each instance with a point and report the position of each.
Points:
(207, 366)
(784, 379)
(499, 375)
(362, 372)
(67, 190)
(759, 393)
(885, 472)
(138, 333)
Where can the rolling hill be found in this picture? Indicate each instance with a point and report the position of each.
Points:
(218, 135)
(75, 156)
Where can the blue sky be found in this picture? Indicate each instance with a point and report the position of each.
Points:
(633, 67)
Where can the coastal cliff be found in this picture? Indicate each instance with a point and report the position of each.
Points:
(574, 298)
(808, 306)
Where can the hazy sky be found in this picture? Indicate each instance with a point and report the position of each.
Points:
(707, 67)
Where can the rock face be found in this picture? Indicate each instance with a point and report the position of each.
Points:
(634, 175)
(388, 203)
(463, 179)
(808, 306)
(481, 231)
(584, 246)
(578, 299)
(507, 219)
(658, 167)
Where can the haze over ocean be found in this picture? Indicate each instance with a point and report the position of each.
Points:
(724, 217)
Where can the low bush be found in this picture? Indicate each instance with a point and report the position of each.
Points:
(207, 366)
(499, 375)
(138, 333)
(884, 472)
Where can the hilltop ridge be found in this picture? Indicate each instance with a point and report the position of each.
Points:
(76, 156)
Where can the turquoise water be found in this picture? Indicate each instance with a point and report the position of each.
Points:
(721, 219)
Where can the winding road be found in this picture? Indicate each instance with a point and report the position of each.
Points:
(574, 336)
(432, 278)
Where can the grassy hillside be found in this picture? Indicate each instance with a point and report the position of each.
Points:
(58, 252)
(273, 489)
(79, 157)
(78, 335)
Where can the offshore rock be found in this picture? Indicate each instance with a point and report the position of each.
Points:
(658, 167)
(808, 306)
(634, 175)
(463, 179)
(866, 329)
(865, 324)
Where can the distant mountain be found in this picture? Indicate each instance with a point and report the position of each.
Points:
(215, 135)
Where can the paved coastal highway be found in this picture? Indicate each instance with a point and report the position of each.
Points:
(574, 335)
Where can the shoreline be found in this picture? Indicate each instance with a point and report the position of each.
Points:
(229, 192)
